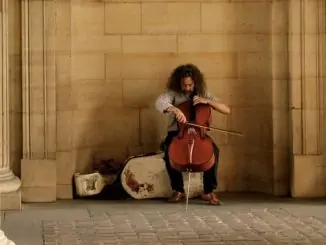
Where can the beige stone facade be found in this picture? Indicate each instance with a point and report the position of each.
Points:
(79, 78)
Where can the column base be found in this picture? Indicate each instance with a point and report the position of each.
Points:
(10, 201)
(4, 239)
(10, 195)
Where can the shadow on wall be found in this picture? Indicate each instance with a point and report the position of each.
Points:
(116, 132)
(252, 95)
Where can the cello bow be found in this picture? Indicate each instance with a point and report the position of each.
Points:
(214, 128)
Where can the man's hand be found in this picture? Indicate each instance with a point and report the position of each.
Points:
(178, 114)
(181, 118)
(199, 100)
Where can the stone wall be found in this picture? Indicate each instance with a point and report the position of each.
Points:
(113, 59)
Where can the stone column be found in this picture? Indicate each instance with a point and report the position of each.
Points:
(307, 52)
(9, 183)
(38, 166)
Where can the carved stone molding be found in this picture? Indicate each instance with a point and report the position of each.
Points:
(4, 88)
(307, 62)
(39, 104)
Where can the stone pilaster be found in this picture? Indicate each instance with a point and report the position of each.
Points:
(306, 45)
(9, 183)
(39, 101)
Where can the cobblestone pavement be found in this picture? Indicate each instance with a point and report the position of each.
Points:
(238, 222)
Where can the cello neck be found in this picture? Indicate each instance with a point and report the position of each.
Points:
(192, 110)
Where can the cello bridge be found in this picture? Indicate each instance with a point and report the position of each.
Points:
(191, 131)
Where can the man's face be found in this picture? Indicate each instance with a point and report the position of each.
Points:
(187, 85)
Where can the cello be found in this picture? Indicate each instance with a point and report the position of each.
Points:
(192, 149)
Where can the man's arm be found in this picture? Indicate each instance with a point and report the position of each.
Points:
(164, 102)
(164, 105)
(216, 103)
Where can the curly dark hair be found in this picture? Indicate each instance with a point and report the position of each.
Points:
(183, 71)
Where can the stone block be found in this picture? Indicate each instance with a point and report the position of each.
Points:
(142, 92)
(312, 133)
(10, 201)
(308, 176)
(258, 134)
(295, 17)
(221, 88)
(100, 43)
(37, 95)
(255, 65)
(87, 18)
(153, 126)
(64, 192)
(64, 129)
(39, 194)
(312, 90)
(63, 97)
(280, 19)
(65, 167)
(199, 43)
(38, 178)
(281, 132)
(142, 67)
(281, 171)
(242, 17)
(218, 18)
(280, 68)
(280, 44)
(122, 18)
(63, 45)
(280, 94)
(253, 17)
(294, 63)
(215, 65)
(82, 70)
(149, 44)
(165, 18)
(103, 126)
(238, 89)
(93, 94)
(63, 17)
(113, 67)
(63, 68)
(297, 137)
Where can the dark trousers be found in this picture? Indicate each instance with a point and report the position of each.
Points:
(176, 178)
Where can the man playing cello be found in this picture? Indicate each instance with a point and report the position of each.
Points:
(184, 80)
